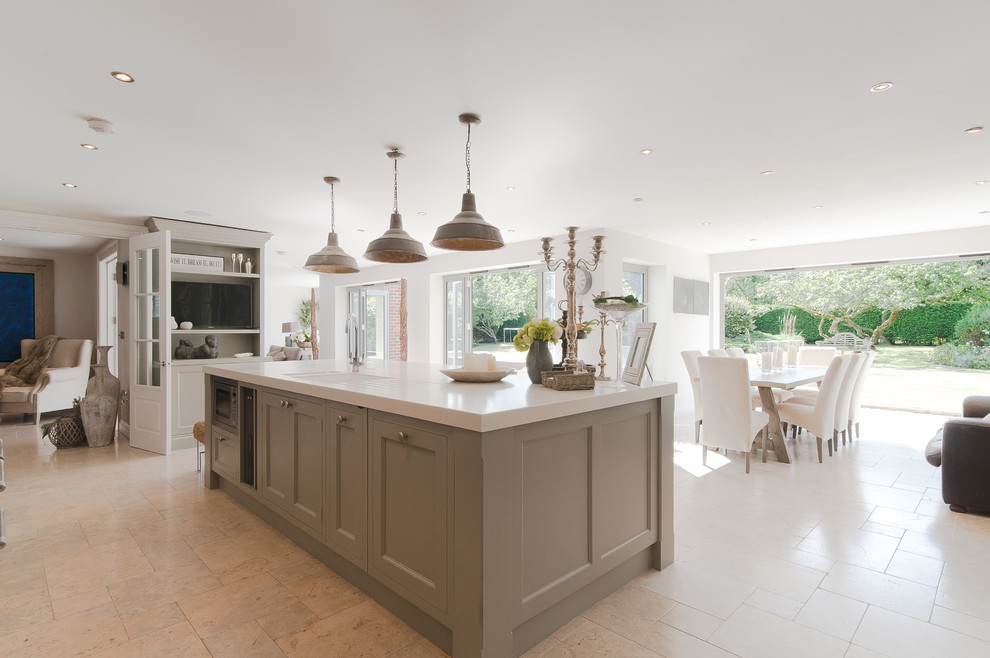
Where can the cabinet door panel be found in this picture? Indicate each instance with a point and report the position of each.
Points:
(293, 456)
(410, 523)
(347, 506)
(226, 454)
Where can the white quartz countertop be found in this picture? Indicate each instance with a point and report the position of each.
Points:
(421, 391)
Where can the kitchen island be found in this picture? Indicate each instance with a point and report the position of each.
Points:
(483, 515)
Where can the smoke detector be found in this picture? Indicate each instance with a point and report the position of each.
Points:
(101, 126)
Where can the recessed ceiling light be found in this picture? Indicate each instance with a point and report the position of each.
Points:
(882, 86)
(706, 223)
(510, 230)
(120, 75)
(982, 182)
(510, 189)
(360, 230)
(646, 151)
(985, 212)
(974, 129)
(88, 147)
(281, 252)
(768, 172)
(69, 185)
(637, 199)
(422, 212)
(817, 207)
(752, 239)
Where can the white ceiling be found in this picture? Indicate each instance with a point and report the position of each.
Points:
(240, 108)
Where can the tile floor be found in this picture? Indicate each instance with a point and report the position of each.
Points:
(114, 551)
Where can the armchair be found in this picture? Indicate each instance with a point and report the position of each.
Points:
(965, 457)
(59, 384)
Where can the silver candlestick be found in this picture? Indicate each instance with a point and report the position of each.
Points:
(570, 264)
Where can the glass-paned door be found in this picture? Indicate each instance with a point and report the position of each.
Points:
(378, 329)
(633, 283)
(150, 420)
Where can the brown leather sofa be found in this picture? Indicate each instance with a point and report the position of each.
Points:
(962, 447)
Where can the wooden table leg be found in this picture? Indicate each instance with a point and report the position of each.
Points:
(776, 435)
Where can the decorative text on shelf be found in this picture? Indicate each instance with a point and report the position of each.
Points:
(193, 262)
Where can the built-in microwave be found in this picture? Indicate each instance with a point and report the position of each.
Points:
(225, 403)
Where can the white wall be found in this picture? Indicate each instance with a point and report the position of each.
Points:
(76, 290)
(287, 284)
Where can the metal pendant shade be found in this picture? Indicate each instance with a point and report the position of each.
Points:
(331, 259)
(468, 230)
(395, 245)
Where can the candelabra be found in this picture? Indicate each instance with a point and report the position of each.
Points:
(570, 264)
(602, 322)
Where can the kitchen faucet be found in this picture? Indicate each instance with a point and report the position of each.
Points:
(351, 329)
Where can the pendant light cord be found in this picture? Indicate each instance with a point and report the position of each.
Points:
(467, 157)
(395, 185)
(333, 220)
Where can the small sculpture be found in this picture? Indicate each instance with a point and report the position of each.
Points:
(184, 350)
(208, 350)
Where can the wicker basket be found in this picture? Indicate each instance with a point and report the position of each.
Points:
(65, 432)
(568, 380)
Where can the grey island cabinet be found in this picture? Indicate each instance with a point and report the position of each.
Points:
(483, 515)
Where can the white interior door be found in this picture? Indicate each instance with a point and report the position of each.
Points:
(150, 272)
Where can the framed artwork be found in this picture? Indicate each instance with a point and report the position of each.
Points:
(27, 301)
(639, 349)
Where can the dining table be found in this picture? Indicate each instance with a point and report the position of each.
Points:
(787, 379)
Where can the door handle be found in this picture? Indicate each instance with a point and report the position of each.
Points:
(285, 404)
(403, 436)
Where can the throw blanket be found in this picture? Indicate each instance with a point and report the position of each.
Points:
(26, 370)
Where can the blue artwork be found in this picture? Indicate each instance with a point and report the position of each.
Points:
(16, 312)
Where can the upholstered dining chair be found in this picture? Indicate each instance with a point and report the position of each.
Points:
(730, 421)
(818, 418)
(691, 363)
(736, 352)
(815, 356)
(855, 403)
(717, 352)
(844, 399)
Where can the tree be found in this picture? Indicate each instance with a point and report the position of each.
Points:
(500, 297)
(841, 295)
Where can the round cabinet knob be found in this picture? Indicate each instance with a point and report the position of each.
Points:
(222, 439)
(403, 436)
(341, 420)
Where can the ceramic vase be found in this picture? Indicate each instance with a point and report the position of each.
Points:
(99, 408)
(537, 360)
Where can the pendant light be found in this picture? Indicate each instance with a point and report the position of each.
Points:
(331, 259)
(395, 245)
(468, 230)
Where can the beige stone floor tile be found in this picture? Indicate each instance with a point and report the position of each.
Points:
(27, 606)
(325, 593)
(881, 529)
(629, 611)
(774, 603)
(307, 566)
(178, 641)
(691, 621)
(421, 649)
(569, 627)
(222, 608)
(594, 641)
(898, 636)
(142, 593)
(75, 573)
(754, 633)
(81, 602)
(964, 595)
(912, 520)
(851, 545)
(963, 623)
(67, 636)
(878, 589)
(667, 641)
(831, 613)
(381, 633)
(231, 551)
(286, 619)
(246, 641)
(152, 620)
(700, 588)
(918, 568)
(542, 648)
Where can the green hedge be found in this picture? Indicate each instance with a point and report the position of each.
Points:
(922, 325)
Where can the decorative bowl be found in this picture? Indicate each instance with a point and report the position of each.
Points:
(477, 376)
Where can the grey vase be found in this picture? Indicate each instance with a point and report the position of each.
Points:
(99, 408)
(537, 360)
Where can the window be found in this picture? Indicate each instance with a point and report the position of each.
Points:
(633, 283)
(484, 310)
(376, 308)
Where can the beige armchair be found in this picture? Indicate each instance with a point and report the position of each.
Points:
(61, 382)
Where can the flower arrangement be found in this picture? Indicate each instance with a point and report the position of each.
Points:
(539, 330)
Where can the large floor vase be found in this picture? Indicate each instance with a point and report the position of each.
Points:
(99, 408)
(537, 360)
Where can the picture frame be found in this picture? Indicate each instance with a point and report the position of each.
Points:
(639, 350)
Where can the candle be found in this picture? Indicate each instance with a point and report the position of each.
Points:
(766, 361)
(792, 355)
(778, 357)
